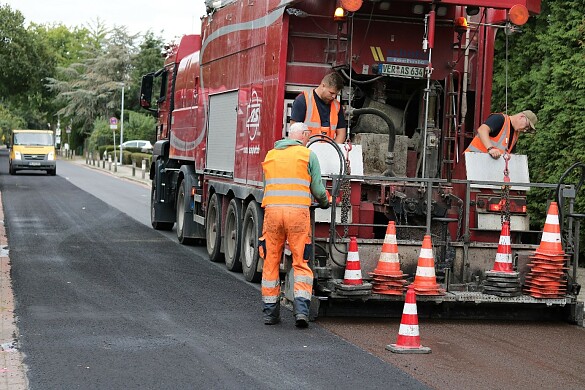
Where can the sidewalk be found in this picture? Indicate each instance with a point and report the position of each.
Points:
(121, 171)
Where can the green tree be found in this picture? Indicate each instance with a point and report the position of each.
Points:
(140, 126)
(547, 74)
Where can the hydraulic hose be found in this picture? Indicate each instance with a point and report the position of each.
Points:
(391, 134)
(335, 187)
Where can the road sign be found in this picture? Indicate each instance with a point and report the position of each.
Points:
(68, 129)
(113, 123)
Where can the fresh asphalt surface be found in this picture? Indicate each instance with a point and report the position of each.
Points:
(105, 302)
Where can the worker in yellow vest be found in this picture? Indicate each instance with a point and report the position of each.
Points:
(291, 174)
(499, 133)
(320, 110)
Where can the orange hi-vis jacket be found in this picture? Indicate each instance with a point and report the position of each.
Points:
(286, 173)
(500, 141)
(313, 120)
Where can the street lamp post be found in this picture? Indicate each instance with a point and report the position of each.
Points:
(122, 124)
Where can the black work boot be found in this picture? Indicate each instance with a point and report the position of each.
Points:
(301, 321)
(271, 313)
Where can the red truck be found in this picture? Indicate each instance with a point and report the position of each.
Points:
(418, 81)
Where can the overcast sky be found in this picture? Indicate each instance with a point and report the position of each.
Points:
(172, 17)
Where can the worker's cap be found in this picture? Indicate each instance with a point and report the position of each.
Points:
(532, 119)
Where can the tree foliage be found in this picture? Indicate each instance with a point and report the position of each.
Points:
(546, 73)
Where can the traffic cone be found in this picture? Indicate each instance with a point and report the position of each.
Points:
(353, 272)
(550, 244)
(408, 340)
(425, 280)
(503, 261)
(389, 262)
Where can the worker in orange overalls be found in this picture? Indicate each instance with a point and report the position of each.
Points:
(320, 110)
(291, 174)
(499, 133)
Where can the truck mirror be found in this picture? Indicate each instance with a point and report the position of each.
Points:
(146, 90)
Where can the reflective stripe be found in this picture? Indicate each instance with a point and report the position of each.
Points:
(426, 253)
(304, 279)
(504, 240)
(299, 206)
(301, 194)
(386, 257)
(290, 180)
(390, 239)
(408, 330)
(353, 256)
(552, 219)
(503, 258)
(302, 294)
(551, 237)
(353, 274)
(270, 283)
(424, 271)
(409, 308)
(270, 299)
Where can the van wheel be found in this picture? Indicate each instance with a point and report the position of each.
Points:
(251, 231)
(213, 228)
(11, 170)
(52, 172)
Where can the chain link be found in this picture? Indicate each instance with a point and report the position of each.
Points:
(345, 194)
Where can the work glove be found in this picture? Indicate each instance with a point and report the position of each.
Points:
(324, 206)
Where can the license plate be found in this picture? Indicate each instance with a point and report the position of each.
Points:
(402, 71)
(34, 164)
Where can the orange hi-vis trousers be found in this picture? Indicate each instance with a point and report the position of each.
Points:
(282, 223)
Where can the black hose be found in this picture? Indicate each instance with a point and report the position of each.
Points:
(391, 134)
(335, 186)
(558, 196)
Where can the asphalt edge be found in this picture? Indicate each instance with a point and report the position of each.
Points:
(12, 367)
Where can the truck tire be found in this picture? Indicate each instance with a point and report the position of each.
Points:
(180, 218)
(11, 170)
(52, 172)
(157, 225)
(232, 236)
(213, 228)
(251, 231)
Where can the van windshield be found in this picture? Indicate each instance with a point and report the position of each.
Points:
(36, 139)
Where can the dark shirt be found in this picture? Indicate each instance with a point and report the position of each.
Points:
(495, 122)
(299, 111)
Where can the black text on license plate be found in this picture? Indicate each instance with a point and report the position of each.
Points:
(402, 70)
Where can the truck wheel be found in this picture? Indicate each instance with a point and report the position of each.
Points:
(232, 243)
(11, 170)
(251, 231)
(52, 172)
(213, 229)
(156, 224)
(181, 216)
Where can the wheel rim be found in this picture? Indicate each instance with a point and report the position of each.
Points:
(212, 228)
(230, 233)
(180, 213)
(249, 243)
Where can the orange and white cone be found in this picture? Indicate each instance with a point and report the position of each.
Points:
(408, 340)
(550, 244)
(425, 280)
(389, 262)
(503, 261)
(353, 271)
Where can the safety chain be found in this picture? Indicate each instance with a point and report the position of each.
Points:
(505, 211)
(345, 192)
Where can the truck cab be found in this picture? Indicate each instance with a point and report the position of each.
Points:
(32, 150)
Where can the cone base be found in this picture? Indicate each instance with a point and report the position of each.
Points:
(400, 349)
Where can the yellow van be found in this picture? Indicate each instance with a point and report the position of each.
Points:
(32, 150)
